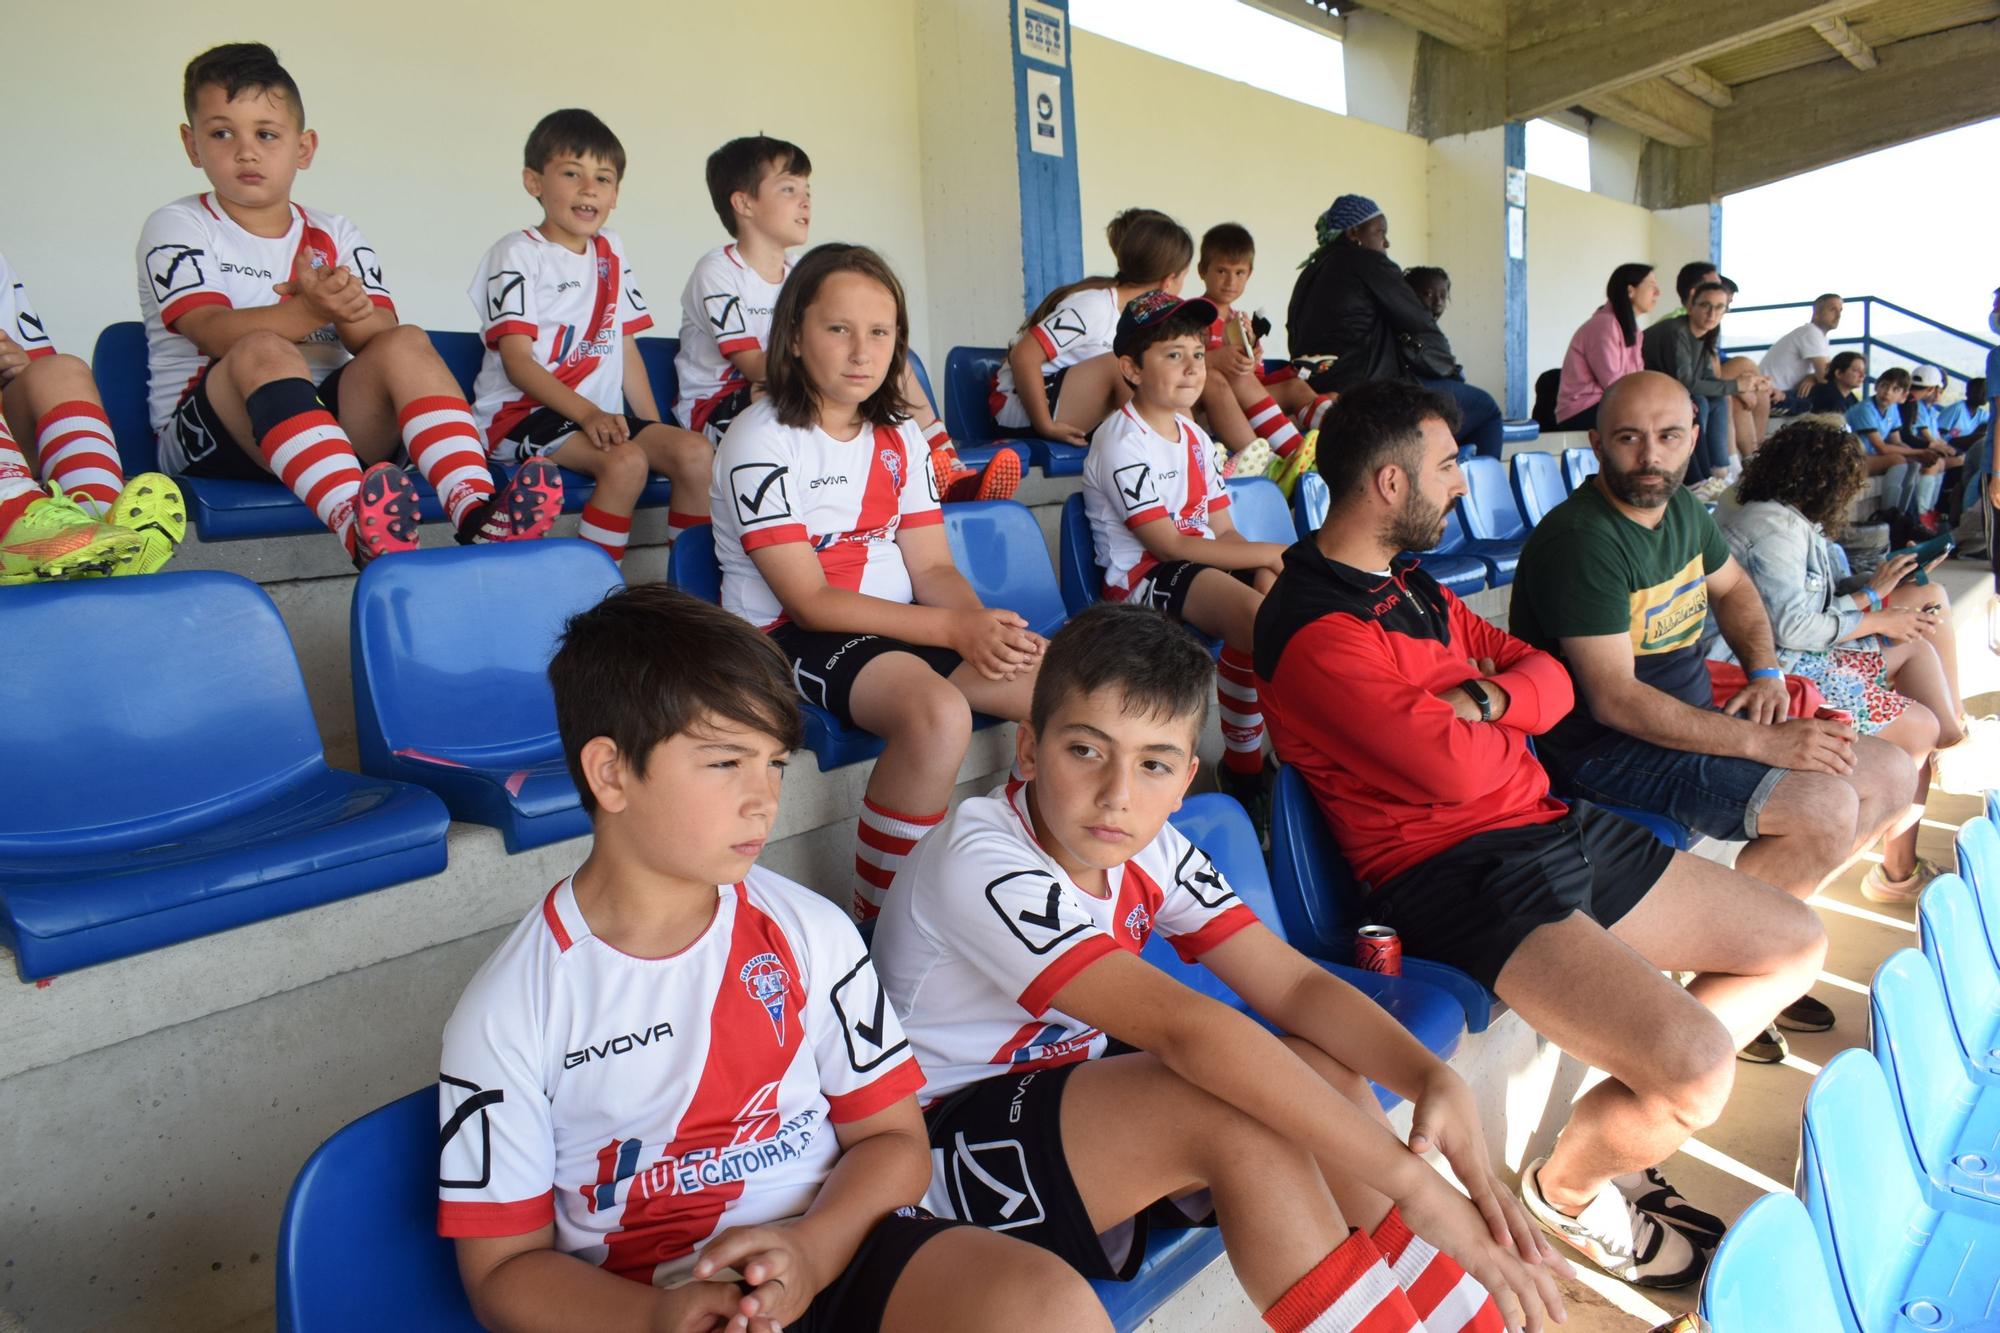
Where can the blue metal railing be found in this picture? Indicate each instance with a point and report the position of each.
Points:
(1870, 342)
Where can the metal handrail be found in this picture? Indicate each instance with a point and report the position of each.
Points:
(1867, 342)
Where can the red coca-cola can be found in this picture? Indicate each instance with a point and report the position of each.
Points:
(1379, 949)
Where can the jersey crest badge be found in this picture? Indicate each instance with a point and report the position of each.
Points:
(1139, 922)
(892, 459)
(768, 982)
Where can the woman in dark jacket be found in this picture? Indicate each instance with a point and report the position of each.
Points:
(1351, 302)
(1684, 346)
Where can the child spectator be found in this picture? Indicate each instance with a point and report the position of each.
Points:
(90, 520)
(1060, 378)
(1839, 391)
(1432, 286)
(559, 310)
(1922, 430)
(761, 191)
(1125, 1101)
(1243, 402)
(1159, 518)
(1962, 424)
(674, 1096)
(273, 345)
(1878, 421)
(829, 535)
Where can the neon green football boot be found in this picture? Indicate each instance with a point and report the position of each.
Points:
(55, 539)
(151, 506)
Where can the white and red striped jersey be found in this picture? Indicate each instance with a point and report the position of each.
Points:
(577, 309)
(848, 498)
(193, 254)
(1133, 475)
(642, 1105)
(1078, 329)
(982, 928)
(725, 307)
(18, 319)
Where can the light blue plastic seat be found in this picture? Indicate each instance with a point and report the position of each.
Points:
(1494, 527)
(968, 384)
(179, 786)
(1950, 1124)
(1899, 1265)
(1258, 508)
(1310, 501)
(450, 652)
(1538, 484)
(1579, 463)
(1768, 1274)
(1954, 940)
(1320, 902)
(1462, 574)
(1978, 848)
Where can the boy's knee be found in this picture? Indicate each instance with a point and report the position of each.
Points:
(939, 711)
(62, 368)
(623, 467)
(257, 358)
(1035, 1289)
(403, 340)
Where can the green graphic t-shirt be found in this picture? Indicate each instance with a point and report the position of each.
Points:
(1588, 570)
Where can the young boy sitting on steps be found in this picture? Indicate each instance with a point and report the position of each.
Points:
(274, 349)
(1078, 1096)
(1159, 519)
(675, 1099)
(559, 310)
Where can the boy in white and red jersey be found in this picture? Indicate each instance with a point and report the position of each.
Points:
(1078, 1096)
(558, 311)
(89, 521)
(273, 346)
(829, 535)
(1159, 519)
(761, 190)
(676, 1097)
(1243, 402)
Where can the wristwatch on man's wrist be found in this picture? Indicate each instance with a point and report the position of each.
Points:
(1480, 697)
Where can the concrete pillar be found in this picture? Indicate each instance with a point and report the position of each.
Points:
(996, 88)
(1380, 55)
(1479, 234)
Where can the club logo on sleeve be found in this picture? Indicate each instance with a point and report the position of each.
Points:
(174, 268)
(1198, 875)
(474, 1105)
(862, 1007)
(368, 267)
(725, 313)
(29, 326)
(769, 983)
(1065, 326)
(759, 489)
(1036, 909)
(506, 294)
(1135, 485)
(990, 1185)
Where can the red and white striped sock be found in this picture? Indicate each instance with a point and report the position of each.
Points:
(307, 450)
(18, 487)
(1315, 412)
(944, 454)
(1446, 1297)
(73, 440)
(1242, 713)
(1269, 420)
(882, 838)
(607, 531)
(1349, 1291)
(445, 445)
(677, 523)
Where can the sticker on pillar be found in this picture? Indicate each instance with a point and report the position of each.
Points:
(1045, 129)
(1517, 233)
(1043, 34)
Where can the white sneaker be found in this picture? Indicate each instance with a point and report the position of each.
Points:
(1614, 1234)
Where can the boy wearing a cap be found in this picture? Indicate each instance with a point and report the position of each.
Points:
(1922, 429)
(1159, 518)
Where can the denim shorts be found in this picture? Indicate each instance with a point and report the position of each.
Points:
(1718, 795)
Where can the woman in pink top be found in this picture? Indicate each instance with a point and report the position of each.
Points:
(1606, 347)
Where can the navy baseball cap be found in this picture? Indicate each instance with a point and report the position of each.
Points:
(1148, 309)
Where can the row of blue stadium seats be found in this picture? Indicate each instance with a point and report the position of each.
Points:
(225, 510)
(366, 1201)
(1889, 1240)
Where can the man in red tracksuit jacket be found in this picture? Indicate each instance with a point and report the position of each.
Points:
(1409, 717)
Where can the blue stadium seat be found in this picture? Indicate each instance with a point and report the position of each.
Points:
(1578, 462)
(1519, 432)
(179, 785)
(691, 567)
(1538, 484)
(450, 651)
(998, 546)
(1320, 903)
(968, 380)
(1898, 1264)
(1954, 940)
(1310, 501)
(1978, 847)
(1076, 557)
(366, 1203)
(1462, 574)
(462, 355)
(1219, 827)
(1993, 805)
(970, 453)
(1259, 510)
(1768, 1274)
(1496, 530)
(1950, 1123)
